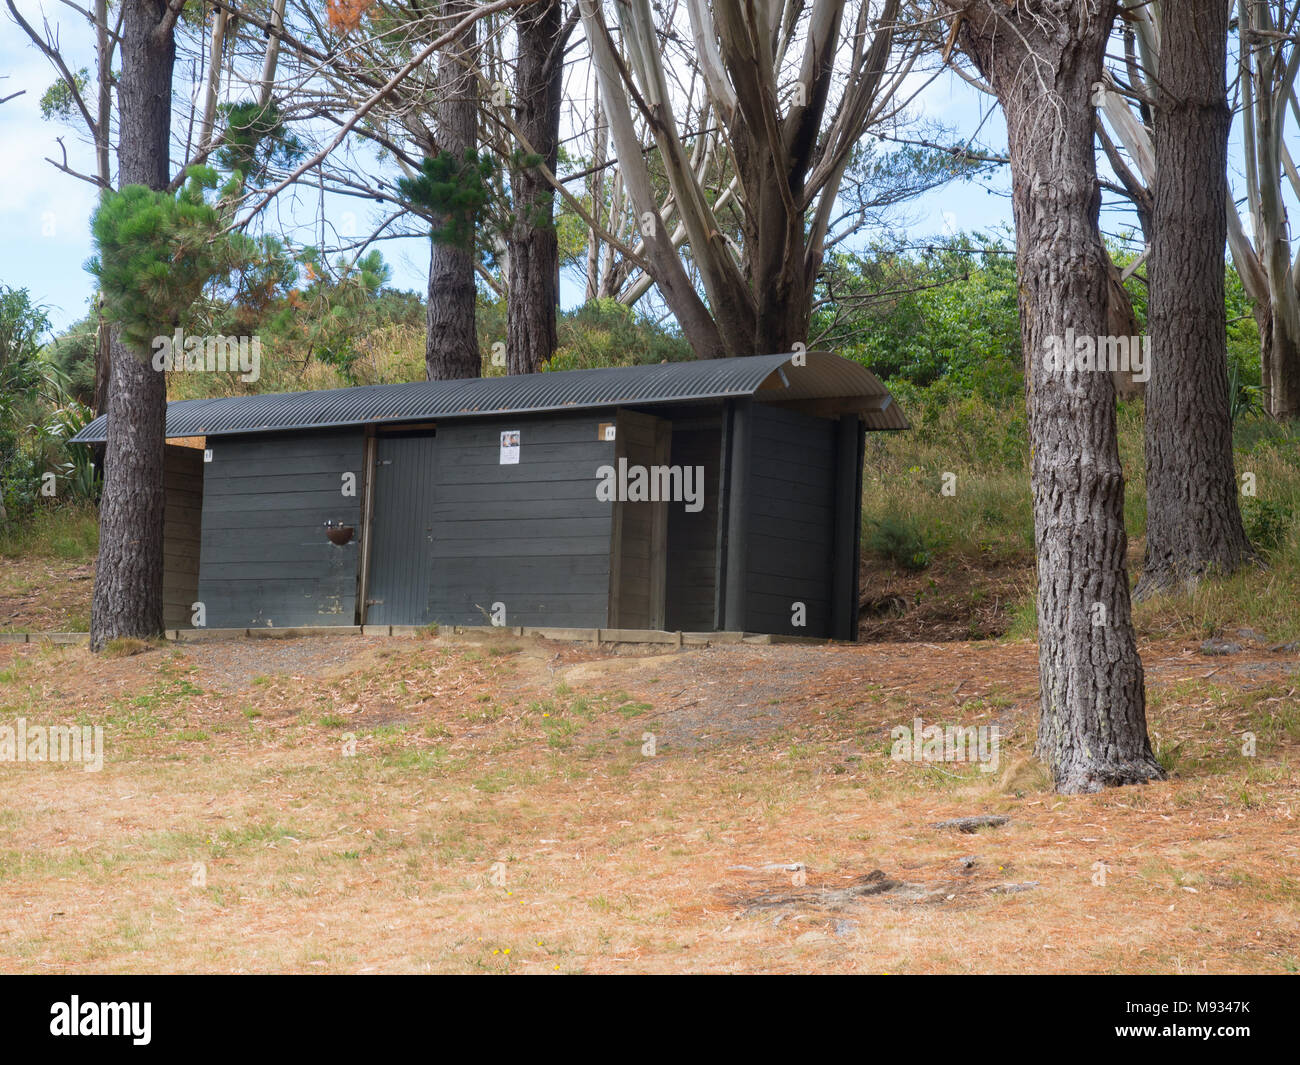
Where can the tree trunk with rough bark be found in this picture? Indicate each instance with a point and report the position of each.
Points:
(451, 347)
(1042, 60)
(534, 294)
(129, 573)
(1194, 523)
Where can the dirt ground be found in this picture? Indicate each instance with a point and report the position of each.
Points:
(45, 595)
(502, 804)
(955, 599)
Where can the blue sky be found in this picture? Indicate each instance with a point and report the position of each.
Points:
(45, 214)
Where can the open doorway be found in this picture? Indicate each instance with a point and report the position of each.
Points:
(639, 537)
(664, 560)
(692, 584)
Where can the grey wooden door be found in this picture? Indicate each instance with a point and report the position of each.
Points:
(401, 552)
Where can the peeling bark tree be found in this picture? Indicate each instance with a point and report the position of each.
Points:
(1269, 64)
(1042, 59)
(128, 577)
(1193, 519)
(791, 88)
(451, 346)
(534, 283)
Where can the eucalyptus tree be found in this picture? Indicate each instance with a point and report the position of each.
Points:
(1268, 60)
(784, 93)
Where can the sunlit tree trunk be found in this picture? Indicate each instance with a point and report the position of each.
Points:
(1042, 60)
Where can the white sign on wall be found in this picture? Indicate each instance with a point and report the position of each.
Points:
(510, 447)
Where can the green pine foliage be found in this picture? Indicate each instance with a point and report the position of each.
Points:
(156, 251)
(457, 191)
(254, 138)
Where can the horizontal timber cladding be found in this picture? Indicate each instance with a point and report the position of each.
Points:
(790, 514)
(182, 531)
(265, 557)
(531, 536)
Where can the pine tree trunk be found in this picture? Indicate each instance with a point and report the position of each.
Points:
(534, 248)
(1042, 60)
(1194, 523)
(451, 348)
(128, 577)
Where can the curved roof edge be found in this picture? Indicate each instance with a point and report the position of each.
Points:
(818, 381)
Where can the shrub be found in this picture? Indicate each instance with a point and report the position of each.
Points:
(901, 541)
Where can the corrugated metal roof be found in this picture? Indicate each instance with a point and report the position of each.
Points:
(821, 376)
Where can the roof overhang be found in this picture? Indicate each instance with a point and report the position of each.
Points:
(816, 381)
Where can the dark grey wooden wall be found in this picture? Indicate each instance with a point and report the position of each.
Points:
(265, 559)
(533, 536)
(790, 510)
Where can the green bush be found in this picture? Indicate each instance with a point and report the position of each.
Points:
(606, 333)
(1268, 522)
(899, 540)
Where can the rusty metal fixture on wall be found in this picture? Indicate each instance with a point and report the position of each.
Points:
(338, 533)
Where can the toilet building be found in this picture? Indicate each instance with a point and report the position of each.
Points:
(719, 495)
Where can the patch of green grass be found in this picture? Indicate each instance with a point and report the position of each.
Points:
(262, 832)
(127, 646)
(148, 713)
(68, 532)
(416, 758)
(631, 709)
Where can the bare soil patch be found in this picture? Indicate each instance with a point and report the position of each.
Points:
(954, 599)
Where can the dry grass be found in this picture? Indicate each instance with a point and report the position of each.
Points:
(499, 815)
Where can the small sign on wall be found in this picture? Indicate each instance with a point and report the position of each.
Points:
(509, 447)
(207, 454)
(606, 431)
